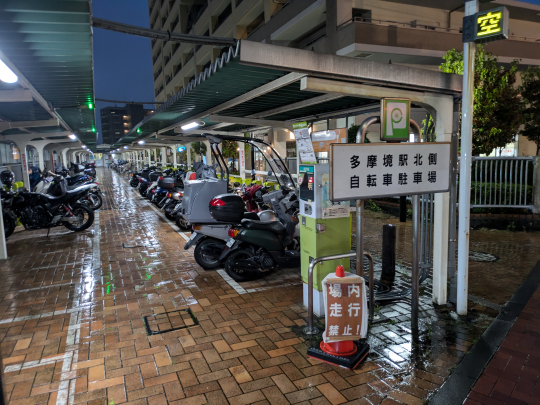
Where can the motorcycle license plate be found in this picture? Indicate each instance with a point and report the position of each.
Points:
(230, 242)
(193, 236)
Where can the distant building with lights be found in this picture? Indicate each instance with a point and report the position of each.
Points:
(117, 121)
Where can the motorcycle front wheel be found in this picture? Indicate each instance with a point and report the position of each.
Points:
(182, 223)
(207, 252)
(9, 225)
(94, 201)
(240, 274)
(85, 218)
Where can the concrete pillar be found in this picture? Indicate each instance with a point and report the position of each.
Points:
(188, 154)
(175, 148)
(242, 159)
(163, 150)
(208, 153)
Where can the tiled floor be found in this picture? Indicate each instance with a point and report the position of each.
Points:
(513, 374)
(72, 325)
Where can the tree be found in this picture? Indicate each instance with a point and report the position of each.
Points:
(351, 134)
(530, 91)
(497, 106)
(229, 150)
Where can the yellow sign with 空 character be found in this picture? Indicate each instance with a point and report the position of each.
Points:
(491, 25)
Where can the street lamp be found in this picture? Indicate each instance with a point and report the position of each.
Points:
(6, 74)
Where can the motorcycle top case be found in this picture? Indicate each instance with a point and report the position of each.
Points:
(166, 183)
(155, 175)
(227, 208)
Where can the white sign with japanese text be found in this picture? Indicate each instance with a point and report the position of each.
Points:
(346, 310)
(384, 169)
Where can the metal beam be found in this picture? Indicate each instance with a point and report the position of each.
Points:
(345, 68)
(163, 35)
(291, 107)
(259, 91)
(207, 131)
(28, 124)
(16, 95)
(251, 121)
(129, 102)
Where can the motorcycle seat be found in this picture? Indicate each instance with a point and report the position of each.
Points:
(273, 226)
(251, 215)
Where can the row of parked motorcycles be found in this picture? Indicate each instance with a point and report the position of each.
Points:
(248, 230)
(57, 199)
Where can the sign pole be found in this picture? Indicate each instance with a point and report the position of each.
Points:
(415, 263)
(469, 51)
(360, 238)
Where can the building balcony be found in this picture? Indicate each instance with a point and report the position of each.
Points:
(383, 41)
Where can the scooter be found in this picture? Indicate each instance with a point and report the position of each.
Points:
(257, 247)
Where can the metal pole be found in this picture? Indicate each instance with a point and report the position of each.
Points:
(311, 329)
(452, 224)
(360, 238)
(469, 51)
(415, 285)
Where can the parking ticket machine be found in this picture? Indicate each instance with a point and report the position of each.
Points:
(325, 229)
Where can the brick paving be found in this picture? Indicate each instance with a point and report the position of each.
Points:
(72, 329)
(512, 376)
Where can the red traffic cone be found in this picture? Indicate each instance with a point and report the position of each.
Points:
(343, 347)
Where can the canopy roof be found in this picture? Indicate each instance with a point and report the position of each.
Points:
(48, 44)
(264, 82)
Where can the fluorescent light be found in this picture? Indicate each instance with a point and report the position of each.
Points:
(84, 146)
(6, 74)
(72, 136)
(125, 147)
(141, 142)
(191, 125)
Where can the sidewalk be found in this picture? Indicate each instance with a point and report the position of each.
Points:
(513, 374)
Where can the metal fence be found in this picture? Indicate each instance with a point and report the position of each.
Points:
(502, 182)
(427, 207)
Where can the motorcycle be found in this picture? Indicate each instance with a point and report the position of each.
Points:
(93, 198)
(59, 207)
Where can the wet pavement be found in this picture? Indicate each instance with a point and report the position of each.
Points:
(84, 319)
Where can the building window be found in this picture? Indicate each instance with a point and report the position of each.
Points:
(223, 16)
(256, 23)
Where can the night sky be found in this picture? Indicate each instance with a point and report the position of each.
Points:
(122, 63)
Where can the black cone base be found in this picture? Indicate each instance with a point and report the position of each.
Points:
(350, 362)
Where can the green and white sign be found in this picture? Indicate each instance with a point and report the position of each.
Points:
(395, 117)
(304, 146)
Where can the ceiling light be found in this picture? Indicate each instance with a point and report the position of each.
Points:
(6, 74)
(141, 142)
(125, 147)
(191, 125)
(84, 146)
(72, 136)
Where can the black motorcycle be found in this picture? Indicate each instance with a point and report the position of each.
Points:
(59, 207)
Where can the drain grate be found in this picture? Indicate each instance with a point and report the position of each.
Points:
(169, 321)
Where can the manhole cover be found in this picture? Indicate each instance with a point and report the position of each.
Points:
(475, 256)
(169, 321)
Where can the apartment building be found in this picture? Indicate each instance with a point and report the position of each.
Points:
(412, 32)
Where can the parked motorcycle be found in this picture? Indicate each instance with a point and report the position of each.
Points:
(59, 207)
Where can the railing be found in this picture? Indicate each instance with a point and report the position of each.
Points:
(424, 27)
(502, 182)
